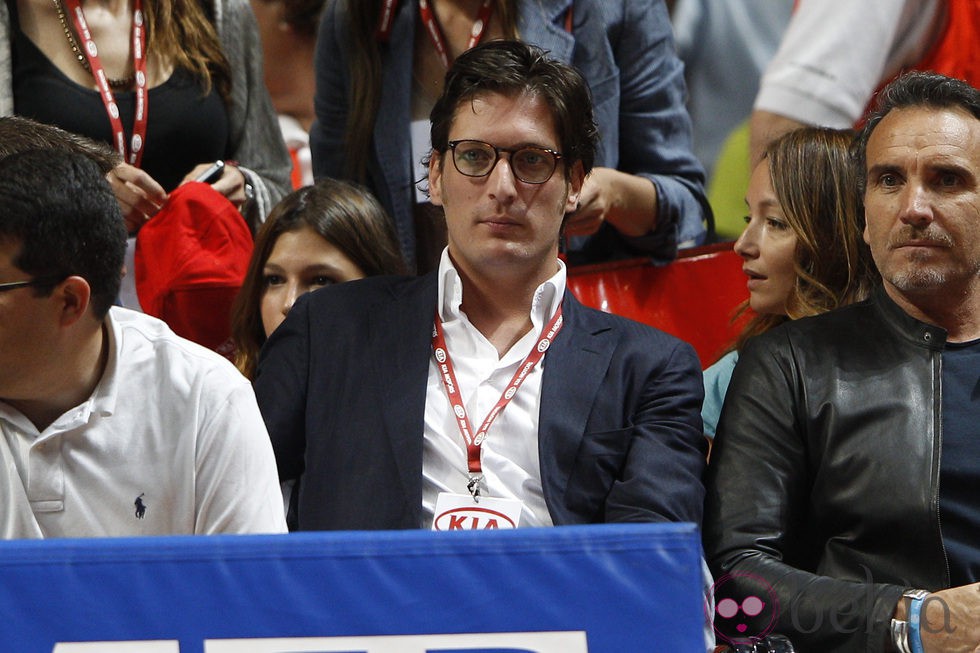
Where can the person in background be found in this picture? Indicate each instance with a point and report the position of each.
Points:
(198, 75)
(725, 46)
(196, 80)
(843, 481)
(802, 248)
(110, 425)
(288, 31)
(380, 67)
(332, 232)
(836, 53)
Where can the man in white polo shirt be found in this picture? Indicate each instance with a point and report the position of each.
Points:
(111, 425)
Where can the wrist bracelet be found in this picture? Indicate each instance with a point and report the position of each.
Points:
(900, 636)
(900, 629)
(915, 614)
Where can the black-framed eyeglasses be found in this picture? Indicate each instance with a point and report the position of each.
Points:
(532, 165)
(13, 285)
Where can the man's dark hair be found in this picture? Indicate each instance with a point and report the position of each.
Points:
(511, 68)
(19, 134)
(59, 209)
(915, 90)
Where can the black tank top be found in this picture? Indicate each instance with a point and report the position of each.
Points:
(185, 127)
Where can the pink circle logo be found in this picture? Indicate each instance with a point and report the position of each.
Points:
(746, 608)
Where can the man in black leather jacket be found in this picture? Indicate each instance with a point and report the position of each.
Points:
(846, 468)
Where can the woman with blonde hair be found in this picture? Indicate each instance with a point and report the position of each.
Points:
(802, 246)
(331, 232)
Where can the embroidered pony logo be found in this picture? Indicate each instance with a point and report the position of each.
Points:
(140, 507)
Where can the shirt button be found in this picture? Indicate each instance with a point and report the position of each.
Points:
(927, 337)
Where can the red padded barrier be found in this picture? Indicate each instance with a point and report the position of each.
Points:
(693, 298)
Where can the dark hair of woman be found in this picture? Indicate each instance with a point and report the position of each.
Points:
(344, 214)
(365, 75)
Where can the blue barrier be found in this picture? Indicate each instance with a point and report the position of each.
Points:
(611, 588)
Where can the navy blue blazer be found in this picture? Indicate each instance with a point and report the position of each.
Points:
(342, 382)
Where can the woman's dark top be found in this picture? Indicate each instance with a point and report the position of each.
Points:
(184, 126)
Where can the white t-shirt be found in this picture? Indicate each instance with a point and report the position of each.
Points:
(170, 442)
(835, 53)
(511, 465)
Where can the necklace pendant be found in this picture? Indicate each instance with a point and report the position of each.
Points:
(121, 83)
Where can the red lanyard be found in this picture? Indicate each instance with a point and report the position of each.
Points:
(439, 39)
(474, 443)
(386, 19)
(134, 153)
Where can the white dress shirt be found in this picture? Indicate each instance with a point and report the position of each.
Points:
(511, 467)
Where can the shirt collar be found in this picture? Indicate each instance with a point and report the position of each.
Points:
(910, 328)
(106, 392)
(547, 296)
(103, 399)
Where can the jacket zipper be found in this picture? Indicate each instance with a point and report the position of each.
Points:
(938, 454)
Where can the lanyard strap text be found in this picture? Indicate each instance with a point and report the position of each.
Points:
(134, 153)
(474, 442)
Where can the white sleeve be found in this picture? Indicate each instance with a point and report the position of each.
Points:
(237, 485)
(835, 53)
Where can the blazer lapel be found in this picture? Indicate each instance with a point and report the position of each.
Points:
(401, 367)
(574, 369)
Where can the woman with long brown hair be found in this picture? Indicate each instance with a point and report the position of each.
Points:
(172, 85)
(802, 246)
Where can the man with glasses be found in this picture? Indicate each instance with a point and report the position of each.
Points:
(110, 425)
(483, 395)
